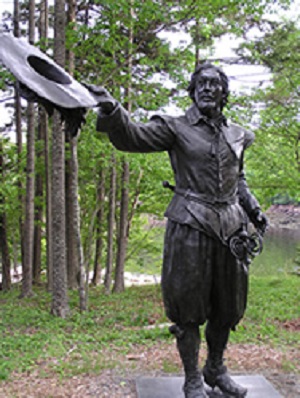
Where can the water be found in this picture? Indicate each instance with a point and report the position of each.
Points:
(279, 253)
(277, 258)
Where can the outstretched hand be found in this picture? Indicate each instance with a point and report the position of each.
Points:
(105, 101)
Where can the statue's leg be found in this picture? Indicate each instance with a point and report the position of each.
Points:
(215, 372)
(188, 344)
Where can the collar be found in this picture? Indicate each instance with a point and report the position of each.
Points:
(194, 116)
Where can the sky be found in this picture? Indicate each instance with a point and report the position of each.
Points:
(241, 77)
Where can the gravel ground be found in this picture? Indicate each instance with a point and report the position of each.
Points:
(120, 382)
(110, 384)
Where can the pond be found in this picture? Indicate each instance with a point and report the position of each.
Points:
(277, 258)
(279, 253)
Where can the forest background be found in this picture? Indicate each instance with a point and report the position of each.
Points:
(69, 214)
(73, 207)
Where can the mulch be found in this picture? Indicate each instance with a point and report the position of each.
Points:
(120, 381)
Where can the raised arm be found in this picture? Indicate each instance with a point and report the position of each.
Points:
(126, 135)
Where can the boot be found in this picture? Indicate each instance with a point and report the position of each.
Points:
(188, 342)
(214, 372)
(219, 377)
(193, 386)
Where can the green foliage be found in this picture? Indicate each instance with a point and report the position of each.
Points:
(277, 145)
(5, 78)
(145, 247)
(10, 176)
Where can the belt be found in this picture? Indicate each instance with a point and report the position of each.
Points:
(202, 198)
(199, 197)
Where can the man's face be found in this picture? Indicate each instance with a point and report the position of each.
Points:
(208, 92)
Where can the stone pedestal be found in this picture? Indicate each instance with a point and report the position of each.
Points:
(171, 387)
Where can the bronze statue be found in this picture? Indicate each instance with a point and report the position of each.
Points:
(207, 247)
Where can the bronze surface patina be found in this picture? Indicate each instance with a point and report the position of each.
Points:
(207, 248)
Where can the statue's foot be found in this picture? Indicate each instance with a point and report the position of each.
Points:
(194, 386)
(225, 383)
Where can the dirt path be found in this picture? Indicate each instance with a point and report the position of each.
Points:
(120, 381)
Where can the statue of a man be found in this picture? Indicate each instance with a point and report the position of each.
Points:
(205, 265)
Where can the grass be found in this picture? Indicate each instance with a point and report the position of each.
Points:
(88, 342)
(30, 335)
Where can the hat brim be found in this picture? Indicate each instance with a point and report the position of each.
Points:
(42, 75)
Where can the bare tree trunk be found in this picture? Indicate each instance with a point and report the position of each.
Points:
(60, 305)
(39, 186)
(74, 252)
(43, 121)
(76, 223)
(96, 280)
(119, 284)
(71, 18)
(59, 293)
(18, 123)
(49, 248)
(111, 223)
(4, 250)
(29, 213)
(78, 264)
(71, 223)
(123, 231)
(39, 191)
(15, 254)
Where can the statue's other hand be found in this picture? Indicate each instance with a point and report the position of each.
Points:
(260, 221)
(105, 101)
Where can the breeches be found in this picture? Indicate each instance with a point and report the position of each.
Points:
(201, 279)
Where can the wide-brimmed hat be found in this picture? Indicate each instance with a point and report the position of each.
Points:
(42, 75)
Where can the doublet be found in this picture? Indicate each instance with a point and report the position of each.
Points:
(201, 278)
(211, 192)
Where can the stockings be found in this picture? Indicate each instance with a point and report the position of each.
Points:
(215, 373)
(188, 343)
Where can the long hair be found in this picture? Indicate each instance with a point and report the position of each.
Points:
(224, 82)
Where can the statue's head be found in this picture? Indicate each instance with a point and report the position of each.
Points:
(208, 88)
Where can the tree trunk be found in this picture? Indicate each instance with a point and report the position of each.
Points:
(78, 265)
(15, 255)
(71, 18)
(119, 284)
(49, 247)
(71, 222)
(96, 280)
(18, 123)
(43, 120)
(110, 228)
(59, 292)
(4, 250)
(39, 185)
(60, 305)
(123, 231)
(29, 205)
(74, 252)
(42, 133)
(76, 226)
